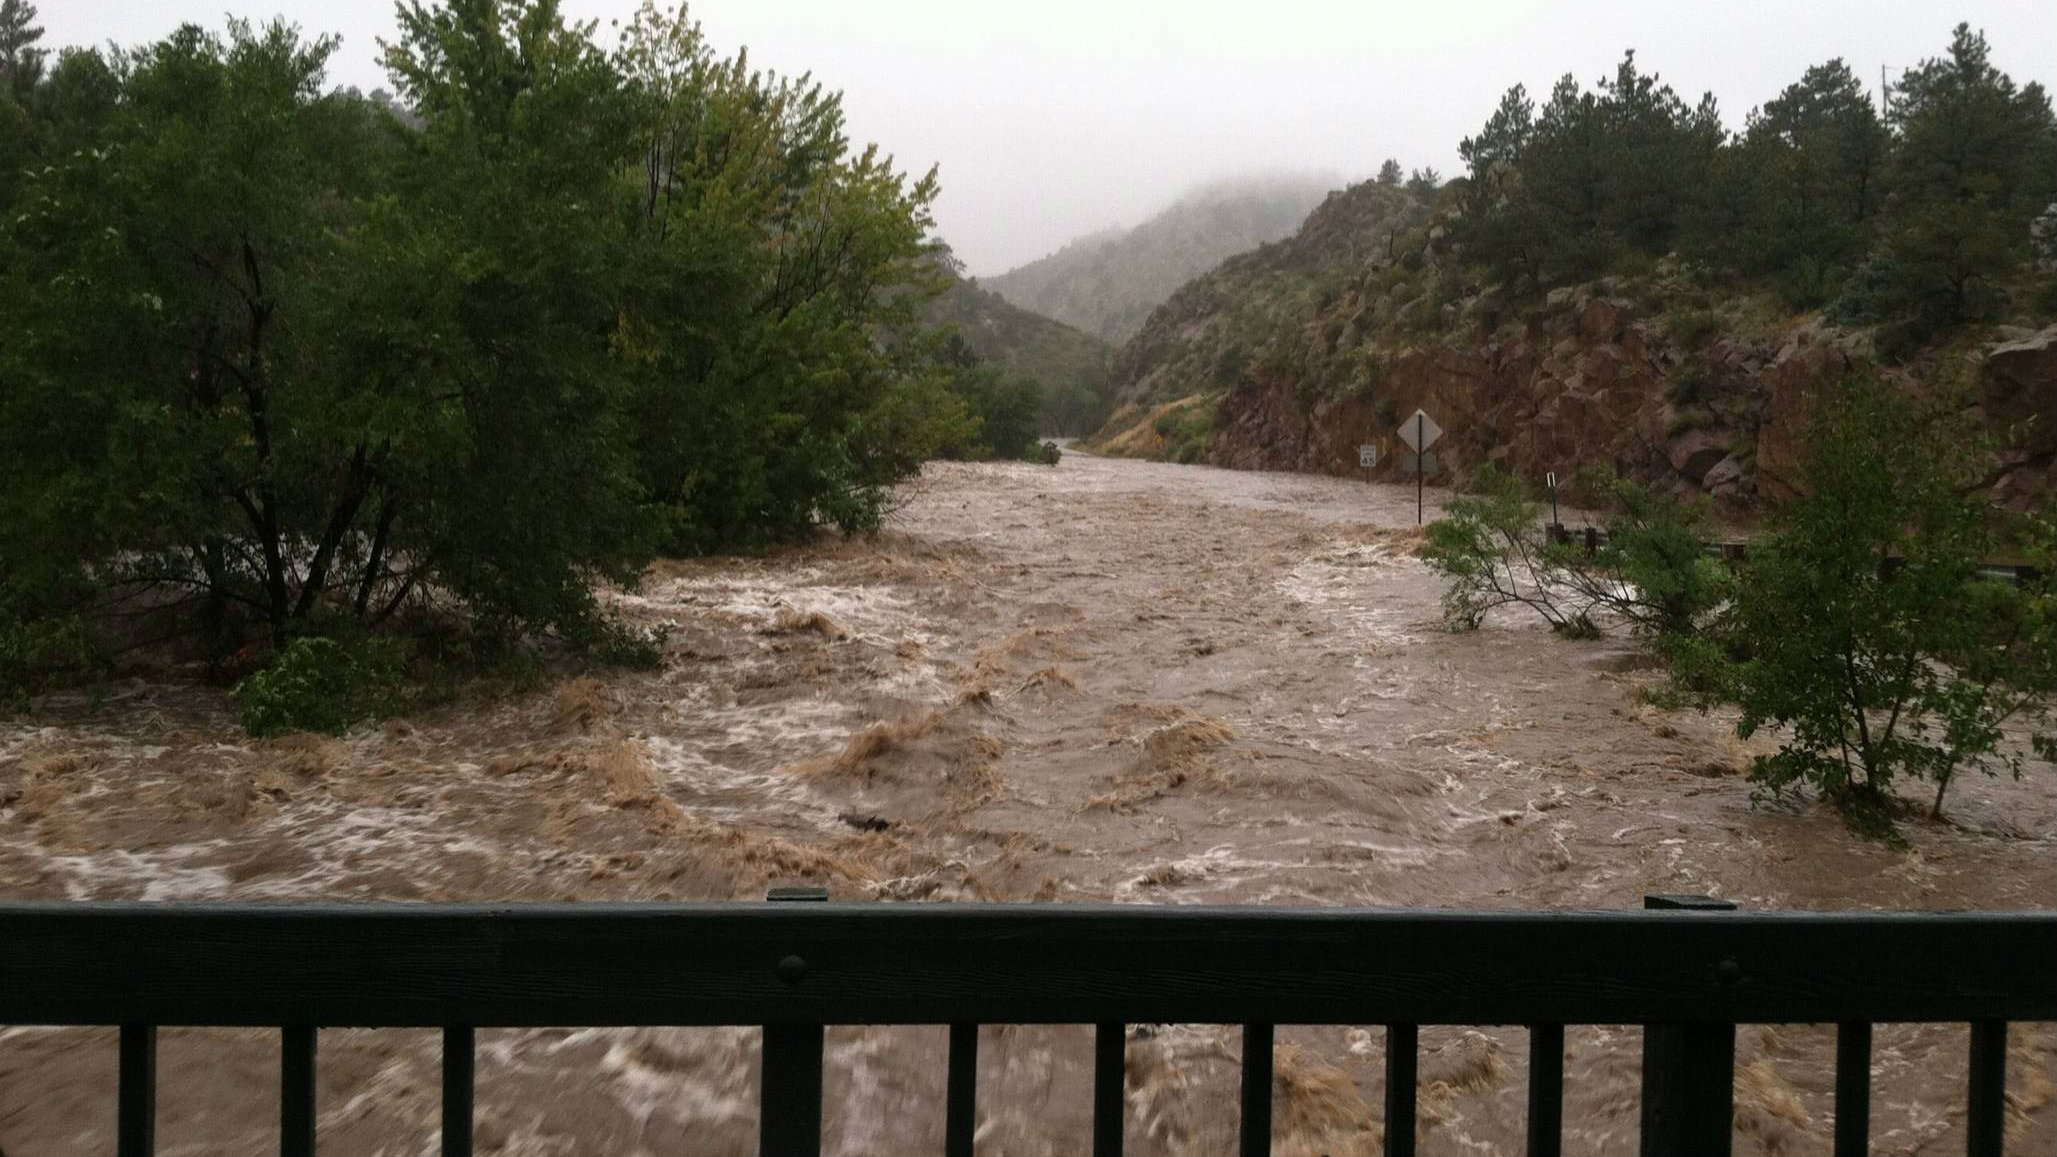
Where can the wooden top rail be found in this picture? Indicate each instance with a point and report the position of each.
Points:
(1688, 972)
(725, 964)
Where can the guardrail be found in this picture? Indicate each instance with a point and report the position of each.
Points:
(1738, 550)
(1690, 975)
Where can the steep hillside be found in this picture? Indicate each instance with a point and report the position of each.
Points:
(1618, 279)
(1021, 341)
(1108, 283)
(1203, 339)
(1071, 367)
(1290, 357)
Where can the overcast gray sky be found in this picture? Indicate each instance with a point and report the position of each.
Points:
(1054, 118)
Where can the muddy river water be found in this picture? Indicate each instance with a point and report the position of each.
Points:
(1107, 681)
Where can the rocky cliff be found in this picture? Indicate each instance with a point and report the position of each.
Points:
(1588, 380)
(1307, 349)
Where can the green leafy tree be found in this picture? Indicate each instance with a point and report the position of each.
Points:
(1653, 569)
(1866, 632)
(75, 102)
(286, 356)
(489, 299)
(1390, 173)
(1490, 545)
(1651, 572)
(174, 419)
(777, 281)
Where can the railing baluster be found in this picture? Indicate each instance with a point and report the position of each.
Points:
(1853, 1088)
(1401, 1040)
(789, 1104)
(1689, 1070)
(459, 1061)
(789, 1076)
(1257, 1039)
(1545, 1090)
(296, 1091)
(1110, 1058)
(960, 1121)
(1985, 1118)
(1689, 1073)
(136, 1116)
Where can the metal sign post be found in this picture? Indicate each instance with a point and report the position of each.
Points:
(1420, 432)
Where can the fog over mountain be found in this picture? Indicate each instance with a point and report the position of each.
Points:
(1107, 283)
(1052, 120)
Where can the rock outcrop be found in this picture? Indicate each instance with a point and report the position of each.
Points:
(1328, 341)
(2019, 393)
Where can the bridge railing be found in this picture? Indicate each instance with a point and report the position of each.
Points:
(1690, 976)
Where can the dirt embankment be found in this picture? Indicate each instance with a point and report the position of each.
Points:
(1112, 680)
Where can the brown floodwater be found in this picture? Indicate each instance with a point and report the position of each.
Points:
(1108, 681)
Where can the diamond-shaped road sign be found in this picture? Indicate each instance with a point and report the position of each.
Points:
(1420, 431)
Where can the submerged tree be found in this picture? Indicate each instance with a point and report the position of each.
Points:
(1650, 571)
(1864, 627)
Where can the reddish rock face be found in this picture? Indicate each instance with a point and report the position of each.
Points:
(1585, 378)
(1582, 381)
(1696, 452)
(2020, 386)
(1815, 361)
(1578, 382)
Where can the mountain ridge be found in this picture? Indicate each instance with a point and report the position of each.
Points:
(1106, 283)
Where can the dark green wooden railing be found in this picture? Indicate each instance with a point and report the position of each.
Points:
(1690, 976)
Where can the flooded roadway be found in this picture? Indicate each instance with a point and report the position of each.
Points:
(1108, 681)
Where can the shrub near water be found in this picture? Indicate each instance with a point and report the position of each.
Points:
(1863, 630)
(324, 685)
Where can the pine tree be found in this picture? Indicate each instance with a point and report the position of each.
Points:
(1656, 150)
(1806, 183)
(21, 62)
(1591, 179)
(1972, 170)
